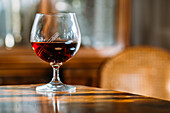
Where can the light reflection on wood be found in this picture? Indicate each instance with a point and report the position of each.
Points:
(24, 98)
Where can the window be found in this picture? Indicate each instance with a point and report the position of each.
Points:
(96, 20)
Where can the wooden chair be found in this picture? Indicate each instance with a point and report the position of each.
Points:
(140, 70)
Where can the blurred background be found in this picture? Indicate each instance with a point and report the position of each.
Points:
(107, 27)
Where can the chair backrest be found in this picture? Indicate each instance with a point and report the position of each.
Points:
(140, 70)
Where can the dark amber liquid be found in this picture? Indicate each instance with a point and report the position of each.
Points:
(55, 52)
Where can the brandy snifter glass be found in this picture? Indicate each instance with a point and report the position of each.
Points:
(55, 38)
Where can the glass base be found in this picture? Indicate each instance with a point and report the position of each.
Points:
(55, 88)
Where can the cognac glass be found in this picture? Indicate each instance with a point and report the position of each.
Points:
(55, 38)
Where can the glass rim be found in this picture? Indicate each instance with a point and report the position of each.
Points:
(56, 14)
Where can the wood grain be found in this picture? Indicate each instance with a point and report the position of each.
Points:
(24, 99)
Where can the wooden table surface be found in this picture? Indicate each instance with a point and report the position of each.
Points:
(24, 99)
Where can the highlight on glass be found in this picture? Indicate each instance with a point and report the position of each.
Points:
(55, 38)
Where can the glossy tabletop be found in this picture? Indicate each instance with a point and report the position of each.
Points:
(24, 99)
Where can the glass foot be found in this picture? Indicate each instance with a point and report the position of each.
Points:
(55, 88)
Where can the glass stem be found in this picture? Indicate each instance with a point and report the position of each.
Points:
(56, 78)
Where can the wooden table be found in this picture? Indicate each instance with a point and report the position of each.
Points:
(24, 99)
